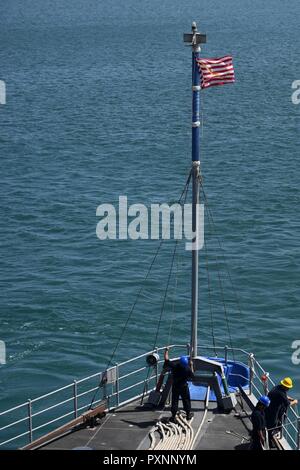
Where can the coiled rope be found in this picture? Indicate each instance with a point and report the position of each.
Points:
(178, 435)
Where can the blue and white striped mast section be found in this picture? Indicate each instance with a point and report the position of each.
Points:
(195, 39)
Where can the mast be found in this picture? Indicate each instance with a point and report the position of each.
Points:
(195, 39)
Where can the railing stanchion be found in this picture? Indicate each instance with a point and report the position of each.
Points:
(117, 384)
(30, 421)
(75, 398)
(104, 393)
(298, 433)
(156, 368)
(226, 354)
(251, 365)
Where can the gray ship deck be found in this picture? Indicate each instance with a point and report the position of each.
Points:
(129, 428)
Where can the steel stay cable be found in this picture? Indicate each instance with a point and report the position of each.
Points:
(209, 212)
(146, 277)
(170, 273)
(224, 305)
(138, 296)
(209, 298)
(220, 285)
(174, 299)
(175, 288)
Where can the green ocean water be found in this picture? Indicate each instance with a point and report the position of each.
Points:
(98, 105)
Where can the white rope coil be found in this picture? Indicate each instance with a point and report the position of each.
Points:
(178, 435)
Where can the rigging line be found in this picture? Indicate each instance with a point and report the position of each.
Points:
(100, 427)
(209, 298)
(225, 262)
(142, 287)
(139, 294)
(223, 301)
(221, 287)
(178, 260)
(174, 300)
(170, 273)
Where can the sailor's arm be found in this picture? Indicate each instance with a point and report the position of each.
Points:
(293, 401)
(167, 364)
(166, 355)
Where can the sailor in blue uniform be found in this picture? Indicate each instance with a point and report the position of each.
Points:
(181, 373)
(259, 424)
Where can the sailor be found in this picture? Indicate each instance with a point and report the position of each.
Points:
(258, 419)
(181, 373)
(280, 402)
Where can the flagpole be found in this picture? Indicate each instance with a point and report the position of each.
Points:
(195, 39)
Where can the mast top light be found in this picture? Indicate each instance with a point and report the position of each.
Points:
(194, 37)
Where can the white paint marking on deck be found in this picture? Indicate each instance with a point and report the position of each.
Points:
(101, 425)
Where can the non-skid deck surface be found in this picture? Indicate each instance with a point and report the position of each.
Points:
(124, 429)
(226, 432)
(129, 427)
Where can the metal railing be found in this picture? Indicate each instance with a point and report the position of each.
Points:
(125, 382)
(259, 385)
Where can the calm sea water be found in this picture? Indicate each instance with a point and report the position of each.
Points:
(98, 105)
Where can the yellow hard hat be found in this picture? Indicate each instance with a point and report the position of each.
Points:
(287, 382)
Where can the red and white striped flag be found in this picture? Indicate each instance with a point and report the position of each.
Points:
(216, 71)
